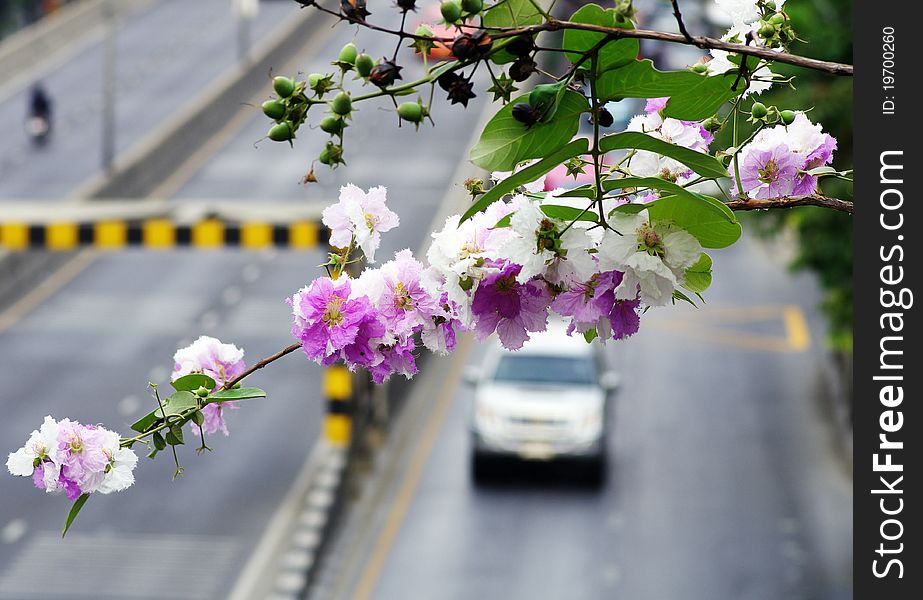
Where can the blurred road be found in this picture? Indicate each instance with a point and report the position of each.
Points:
(724, 480)
(166, 56)
(85, 344)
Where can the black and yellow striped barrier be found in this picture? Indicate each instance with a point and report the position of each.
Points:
(338, 390)
(160, 233)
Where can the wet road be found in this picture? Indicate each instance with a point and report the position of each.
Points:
(725, 481)
(107, 324)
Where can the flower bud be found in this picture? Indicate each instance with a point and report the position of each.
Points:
(766, 31)
(777, 19)
(320, 83)
(472, 7)
(331, 155)
(332, 125)
(759, 110)
(341, 104)
(284, 86)
(412, 112)
(274, 109)
(699, 68)
(281, 132)
(787, 116)
(451, 10)
(770, 5)
(364, 65)
(711, 124)
(385, 73)
(348, 56)
(201, 392)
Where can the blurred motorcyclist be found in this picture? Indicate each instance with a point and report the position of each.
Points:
(38, 123)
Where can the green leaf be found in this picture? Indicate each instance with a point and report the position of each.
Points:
(693, 97)
(243, 393)
(702, 216)
(703, 164)
(584, 191)
(678, 295)
(174, 436)
(72, 514)
(510, 13)
(193, 381)
(159, 442)
(198, 417)
(568, 213)
(698, 276)
(506, 142)
(611, 56)
(176, 404)
(590, 335)
(527, 175)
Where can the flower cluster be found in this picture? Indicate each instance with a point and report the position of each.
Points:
(689, 134)
(776, 162)
(65, 456)
(502, 271)
(221, 362)
(747, 29)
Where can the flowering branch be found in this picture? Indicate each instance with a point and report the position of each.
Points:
(790, 202)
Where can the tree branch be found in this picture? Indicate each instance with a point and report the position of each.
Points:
(790, 202)
(261, 364)
(679, 22)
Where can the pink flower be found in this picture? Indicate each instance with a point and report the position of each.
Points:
(222, 362)
(361, 217)
(769, 173)
(327, 320)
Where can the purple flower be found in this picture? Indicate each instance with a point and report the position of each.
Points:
(81, 451)
(398, 359)
(327, 320)
(592, 305)
(655, 104)
(222, 362)
(769, 173)
(510, 308)
(214, 417)
(363, 350)
(404, 304)
(820, 156)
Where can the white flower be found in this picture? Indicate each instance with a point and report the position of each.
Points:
(361, 216)
(743, 11)
(42, 446)
(121, 472)
(653, 258)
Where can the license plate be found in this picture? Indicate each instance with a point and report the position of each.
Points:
(536, 451)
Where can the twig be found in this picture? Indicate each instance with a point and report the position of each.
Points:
(679, 21)
(261, 364)
(790, 202)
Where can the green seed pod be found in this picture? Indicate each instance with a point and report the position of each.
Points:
(331, 155)
(284, 86)
(348, 54)
(777, 19)
(759, 110)
(411, 111)
(201, 392)
(711, 124)
(787, 116)
(700, 68)
(341, 104)
(364, 65)
(283, 132)
(451, 10)
(766, 31)
(274, 109)
(472, 7)
(771, 6)
(332, 125)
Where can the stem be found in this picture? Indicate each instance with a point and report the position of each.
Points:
(740, 187)
(259, 365)
(791, 202)
(597, 168)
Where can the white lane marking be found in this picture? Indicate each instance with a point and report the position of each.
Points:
(251, 273)
(129, 405)
(313, 518)
(297, 560)
(290, 581)
(306, 539)
(231, 295)
(13, 531)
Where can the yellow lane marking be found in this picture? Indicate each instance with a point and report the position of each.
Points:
(25, 305)
(704, 327)
(372, 572)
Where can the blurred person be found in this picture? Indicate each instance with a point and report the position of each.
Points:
(38, 121)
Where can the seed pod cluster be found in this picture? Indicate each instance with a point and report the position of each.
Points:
(288, 110)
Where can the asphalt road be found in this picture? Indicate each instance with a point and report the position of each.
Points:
(725, 480)
(106, 325)
(166, 55)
